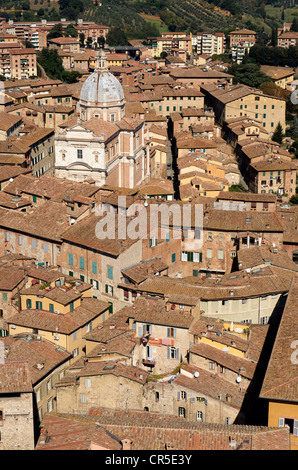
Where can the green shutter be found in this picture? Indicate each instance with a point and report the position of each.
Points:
(94, 267)
(51, 307)
(82, 263)
(110, 272)
(189, 256)
(70, 259)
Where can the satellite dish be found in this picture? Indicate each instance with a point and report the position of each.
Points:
(10, 180)
(238, 380)
(196, 374)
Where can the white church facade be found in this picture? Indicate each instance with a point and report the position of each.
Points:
(103, 145)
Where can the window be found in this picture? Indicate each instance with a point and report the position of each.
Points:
(33, 243)
(49, 385)
(173, 353)
(7, 236)
(211, 365)
(45, 247)
(220, 254)
(79, 153)
(70, 259)
(209, 253)
(171, 332)
(87, 383)
(199, 415)
(110, 272)
(184, 256)
(83, 398)
(51, 308)
(197, 257)
(19, 239)
(82, 262)
(173, 257)
(109, 289)
(38, 305)
(181, 412)
(94, 267)
(28, 303)
(71, 307)
(152, 241)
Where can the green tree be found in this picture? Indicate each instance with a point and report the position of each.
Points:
(116, 37)
(82, 39)
(294, 26)
(51, 62)
(249, 74)
(294, 128)
(56, 32)
(278, 134)
(70, 30)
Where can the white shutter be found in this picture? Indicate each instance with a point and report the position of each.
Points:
(281, 422)
(295, 430)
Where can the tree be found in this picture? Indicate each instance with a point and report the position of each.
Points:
(82, 39)
(116, 37)
(101, 41)
(70, 30)
(249, 74)
(278, 134)
(294, 26)
(294, 128)
(51, 62)
(56, 32)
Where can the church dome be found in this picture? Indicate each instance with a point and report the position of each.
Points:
(101, 86)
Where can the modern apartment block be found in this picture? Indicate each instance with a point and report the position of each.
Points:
(242, 35)
(23, 63)
(210, 43)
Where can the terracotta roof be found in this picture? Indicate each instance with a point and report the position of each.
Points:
(8, 120)
(152, 431)
(61, 323)
(281, 378)
(239, 221)
(263, 255)
(148, 310)
(34, 351)
(8, 171)
(47, 221)
(139, 272)
(11, 277)
(84, 233)
(15, 377)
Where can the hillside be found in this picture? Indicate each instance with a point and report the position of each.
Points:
(144, 18)
(138, 18)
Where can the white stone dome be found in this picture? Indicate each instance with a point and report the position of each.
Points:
(101, 86)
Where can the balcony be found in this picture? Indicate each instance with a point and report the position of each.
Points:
(149, 362)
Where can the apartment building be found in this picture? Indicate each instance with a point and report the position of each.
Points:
(242, 36)
(287, 39)
(34, 366)
(281, 76)
(23, 63)
(274, 175)
(92, 31)
(68, 308)
(210, 43)
(65, 44)
(240, 100)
